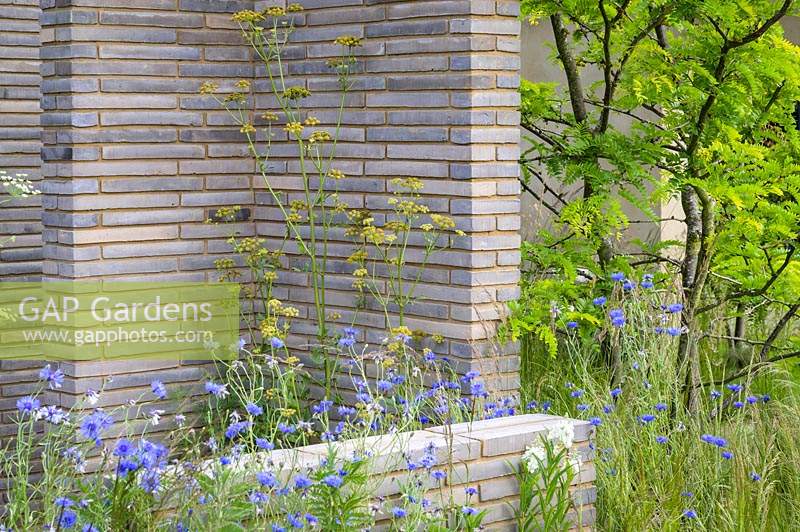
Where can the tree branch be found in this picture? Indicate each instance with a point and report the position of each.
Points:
(750, 370)
(777, 330)
(756, 292)
(574, 83)
(538, 198)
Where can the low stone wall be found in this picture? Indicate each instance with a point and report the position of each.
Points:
(482, 454)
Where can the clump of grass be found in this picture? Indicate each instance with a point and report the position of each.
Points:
(731, 464)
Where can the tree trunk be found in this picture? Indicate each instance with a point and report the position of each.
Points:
(687, 354)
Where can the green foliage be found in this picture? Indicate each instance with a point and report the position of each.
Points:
(693, 102)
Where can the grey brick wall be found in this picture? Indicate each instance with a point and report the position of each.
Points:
(19, 135)
(435, 97)
(134, 159)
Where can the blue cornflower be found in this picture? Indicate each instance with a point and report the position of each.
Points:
(126, 466)
(470, 376)
(546, 406)
(217, 390)
(363, 397)
(311, 519)
(278, 528)
(150, 481)
(302, 482)
(752, 399)
(276, 343)
(68, 519)
(615, 392)
(716, 394)
(429, 356)
(54, 378)
(64, 502)
(532, 405)
(89, 528)
(286, 429)
(582, 407)
(94, 424)
(617, 317)
(572, 325)
(607, 409)
(345, 411)
(26, 405)
(727, 455)
(428, 460)
(596, 421)
(468, 510)
(253, 409)
(617, 276)
(438, 474)
(599, 301)
(690, 514)
(661, 439)
(52, 414)
(159, 390)
(628, 285)
(661, 407)
(333, 481)
(647, 418)
(267, 479)
(738, 404)
(647, 280)
(674, 308)
(398, 513)
(478, 389)
(124, 448)
(235, 429)
(576, 393)
(674, 331)
(755, 477)
(294, 520)
(322, 407)
(347, 341)
(152, 454)
(471, 490)
(258, 497)
(713, 440)
(735, 388)
(384, 386)
(765, 398)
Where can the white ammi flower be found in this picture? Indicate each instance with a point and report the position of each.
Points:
(562, 434)
(533, 457)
